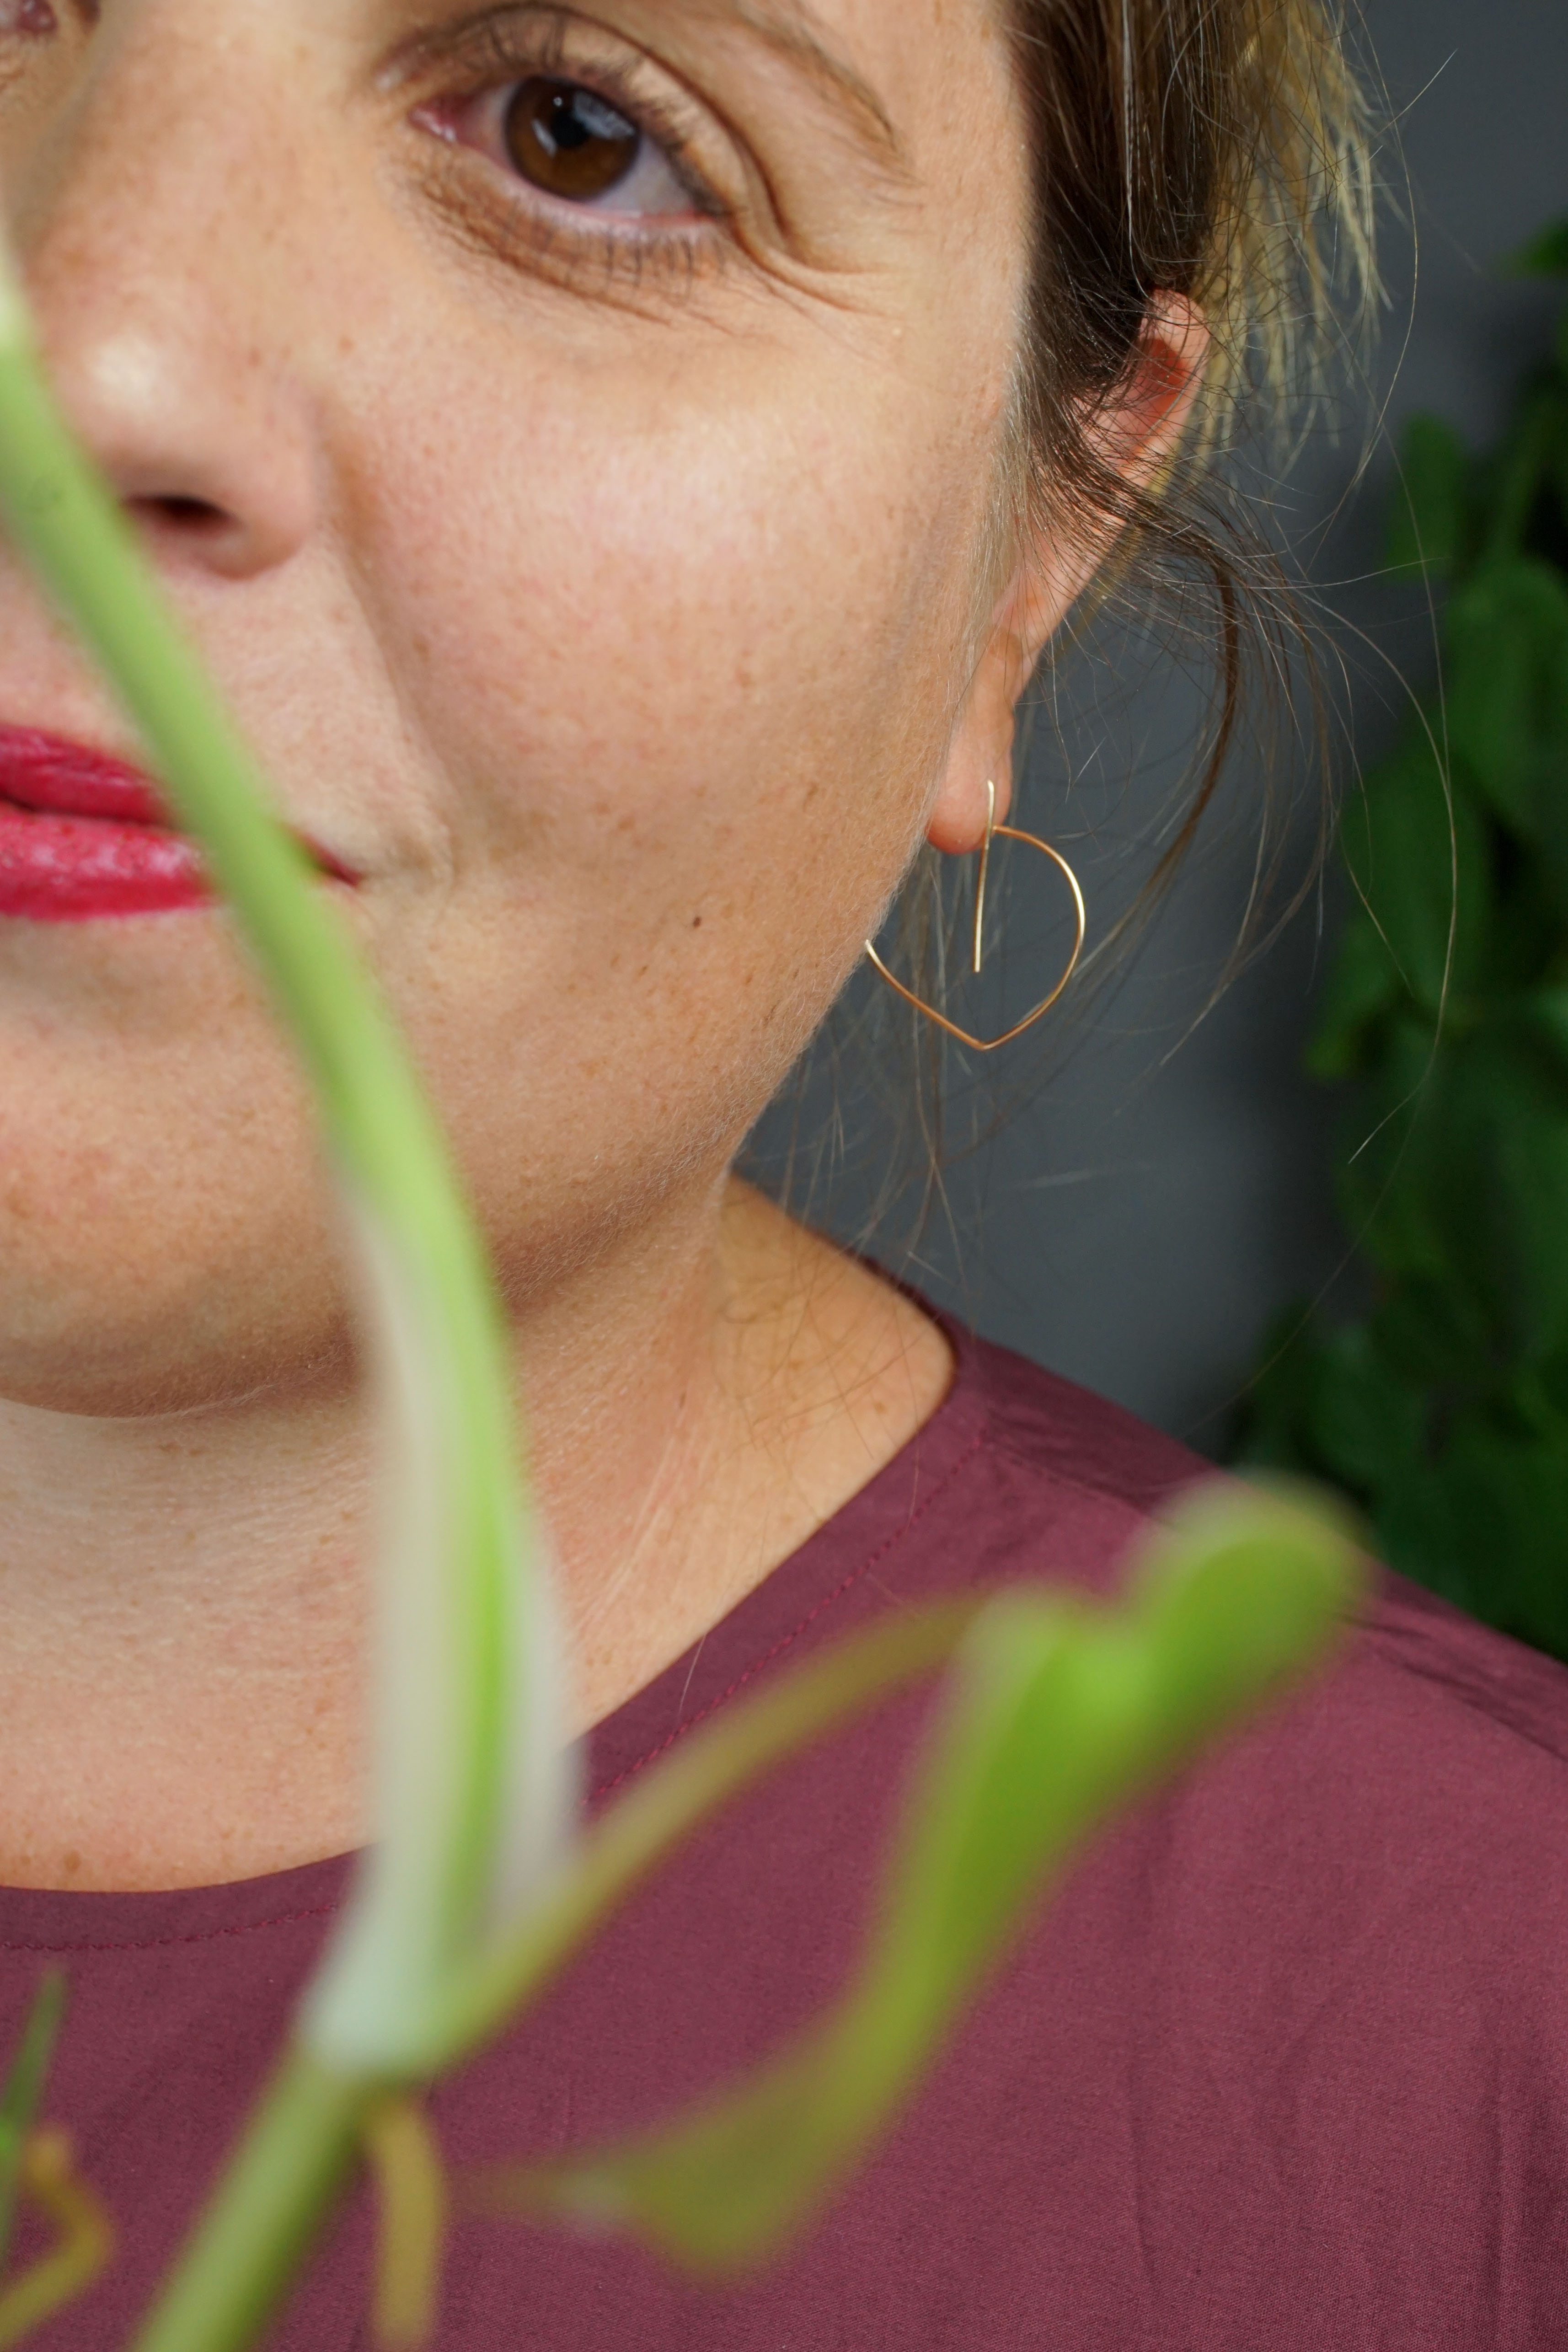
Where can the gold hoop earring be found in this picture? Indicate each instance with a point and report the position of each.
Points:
(1005, 832)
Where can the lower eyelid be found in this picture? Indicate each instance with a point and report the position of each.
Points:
(506, 220)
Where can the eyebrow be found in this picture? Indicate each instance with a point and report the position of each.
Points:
(795, 32)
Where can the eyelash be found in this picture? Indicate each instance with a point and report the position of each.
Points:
(620, 245)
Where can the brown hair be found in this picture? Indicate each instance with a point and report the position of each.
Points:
(1216, 150)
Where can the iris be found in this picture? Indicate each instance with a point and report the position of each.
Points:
(568, 141)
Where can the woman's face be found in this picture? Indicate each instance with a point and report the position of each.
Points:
(573, 436)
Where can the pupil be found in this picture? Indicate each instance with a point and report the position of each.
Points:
(568, 141)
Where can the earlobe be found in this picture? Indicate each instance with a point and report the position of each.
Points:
(957, 823)
(980, 755)
(981, 752)
(1139, 435)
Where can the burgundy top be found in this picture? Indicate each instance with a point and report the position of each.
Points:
(1285, 2065)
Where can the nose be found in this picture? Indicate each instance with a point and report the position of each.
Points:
(161, 302)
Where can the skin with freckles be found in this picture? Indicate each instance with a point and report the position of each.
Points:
(574, 436)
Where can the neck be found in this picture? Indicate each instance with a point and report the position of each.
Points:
(187, 1598)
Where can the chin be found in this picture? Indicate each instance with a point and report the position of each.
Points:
(100, 1327)
(129, 1376)
(167, 1240)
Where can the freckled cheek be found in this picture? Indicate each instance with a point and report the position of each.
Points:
(640, 650)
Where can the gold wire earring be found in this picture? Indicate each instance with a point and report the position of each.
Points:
(1006, 833)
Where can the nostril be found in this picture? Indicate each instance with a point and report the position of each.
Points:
(183, 530)
(210, 535)
(186, 515)
(235, 538)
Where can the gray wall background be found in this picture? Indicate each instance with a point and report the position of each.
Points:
(1140, 1220)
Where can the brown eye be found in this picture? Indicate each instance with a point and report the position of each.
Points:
(568, 141)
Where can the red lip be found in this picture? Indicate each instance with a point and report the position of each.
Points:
(84, 836)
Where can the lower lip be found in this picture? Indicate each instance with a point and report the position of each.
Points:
(82, 869)
(84, 838)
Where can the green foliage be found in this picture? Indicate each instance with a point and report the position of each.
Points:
(1060, 1712)
(1547, 254)
(1444, 1410)
(1430, 520)
(23, 2095)
(37, 2167)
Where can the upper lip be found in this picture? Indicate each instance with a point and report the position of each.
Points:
(59, 777)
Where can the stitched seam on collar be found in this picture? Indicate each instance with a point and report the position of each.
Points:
(170, 1943)
(1144, 1507)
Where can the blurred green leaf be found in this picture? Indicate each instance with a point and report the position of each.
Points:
(84, 2244)
(1363, 981)
(1545, 255)
(1404, 834)
(1443, 1406)
(1521, 468)
(1532, 1225)
(1363, 1417)
(1428, 516)
(1430, 1332)
(1381, 1159)
(1416, 1532)
(1060, 1713)
(1508, 697)
(1544, 1011)
(1486, 1523)
(23, 2095)
(710, 1770)
(1466, 1191)
(1273, 1430)
(1494, 1165)
(1525, 934)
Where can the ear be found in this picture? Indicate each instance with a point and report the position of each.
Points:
(1138, 433)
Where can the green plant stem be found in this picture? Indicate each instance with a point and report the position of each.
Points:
(717, 1765)
(279, 2189)
(272, 2206)
(380, 1130)
(440, 1331)
(23, 2095)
